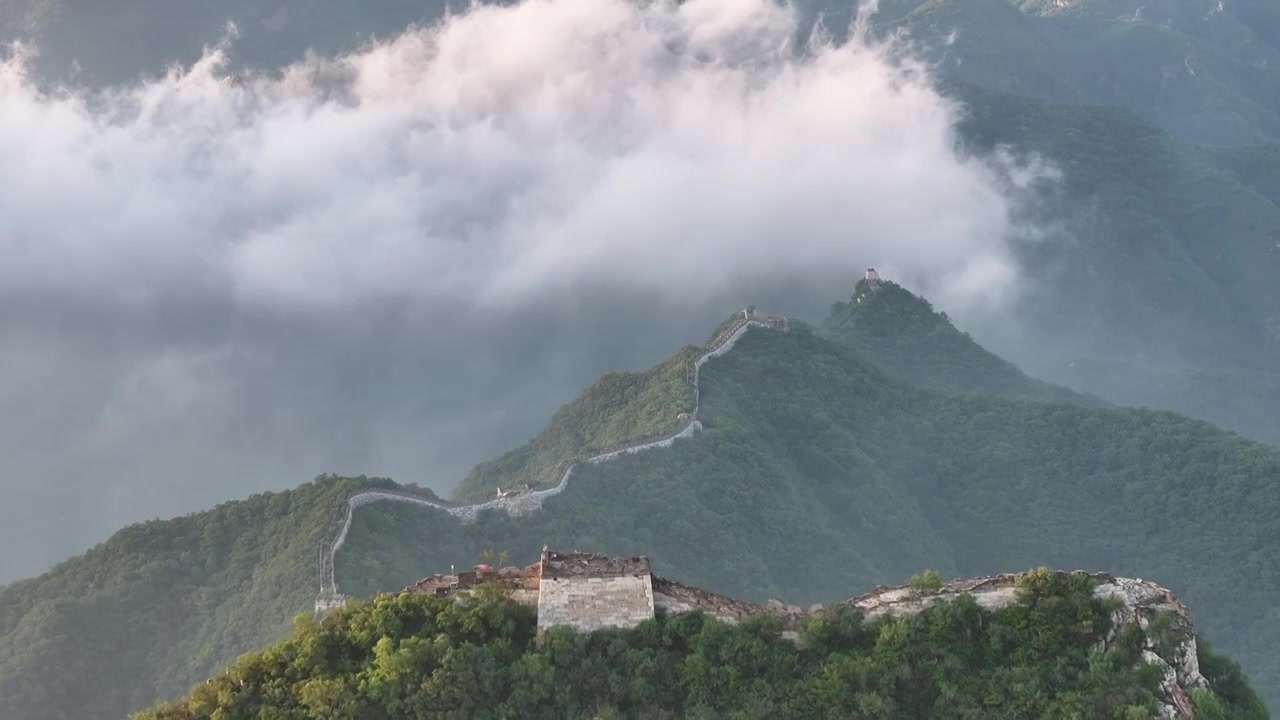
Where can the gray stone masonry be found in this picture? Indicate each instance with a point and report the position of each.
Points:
(590, 603)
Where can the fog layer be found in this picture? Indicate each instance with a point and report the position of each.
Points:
(400, 261)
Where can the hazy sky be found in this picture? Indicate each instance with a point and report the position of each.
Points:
(401, 261)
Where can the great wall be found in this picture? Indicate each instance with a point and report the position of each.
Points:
(525, 501)
(587, 592)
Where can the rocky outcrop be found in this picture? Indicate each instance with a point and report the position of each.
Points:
(1139, 603)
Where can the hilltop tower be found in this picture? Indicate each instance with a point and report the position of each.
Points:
(872, 277)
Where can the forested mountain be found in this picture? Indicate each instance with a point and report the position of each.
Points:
(833, 456)
(1056, 652)
(1159, 286)
(817, 472)
(906, 337)
(143, 614)
(1163, 286)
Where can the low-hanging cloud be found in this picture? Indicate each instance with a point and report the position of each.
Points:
(210, 277)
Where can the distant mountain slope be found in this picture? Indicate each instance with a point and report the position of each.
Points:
(1162, 285)
(1207, 73)
(1205, 70)
(162, 603)
(907, 338)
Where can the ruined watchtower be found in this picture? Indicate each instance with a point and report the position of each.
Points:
(588, 591)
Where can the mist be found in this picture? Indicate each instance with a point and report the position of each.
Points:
(400, 261)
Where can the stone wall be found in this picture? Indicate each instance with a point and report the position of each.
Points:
(587, 603)
(329, 601)
(587, 591)
(526, 502)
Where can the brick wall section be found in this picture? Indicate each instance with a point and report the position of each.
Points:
(590, 603)
(588, 592)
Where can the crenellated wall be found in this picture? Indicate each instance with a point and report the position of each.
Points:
(527, 502)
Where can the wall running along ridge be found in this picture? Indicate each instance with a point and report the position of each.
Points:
(527, 502)
(587, 592)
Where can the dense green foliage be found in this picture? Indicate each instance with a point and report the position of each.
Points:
(162, 604)
(819, 475)
(903, 334)
(420, 656)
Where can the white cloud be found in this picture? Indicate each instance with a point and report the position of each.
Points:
(505, 153)
(383, 261)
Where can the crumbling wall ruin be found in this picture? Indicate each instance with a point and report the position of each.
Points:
(673, 597)
(588, 592)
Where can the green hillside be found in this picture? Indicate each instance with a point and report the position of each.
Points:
(817, 474)
(416, 655)
(1204, 72)
(617, 408)
(907, 338)
(1161, 286)
(163, 603)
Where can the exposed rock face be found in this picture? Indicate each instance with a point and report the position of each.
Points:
(1141, 603)
(588, 591)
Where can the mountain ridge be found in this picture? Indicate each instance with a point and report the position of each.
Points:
(816, 469)
(905, 336)
(1132, 625)
(523, 500)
